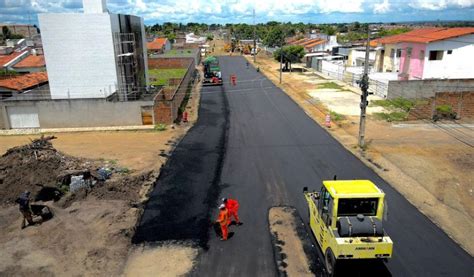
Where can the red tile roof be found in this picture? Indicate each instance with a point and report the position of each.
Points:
(310, 41)
(427, 35)
(23, 82)
(297, 42)
(31, 61)
(156, 44)
(314, 43)
(6, 58)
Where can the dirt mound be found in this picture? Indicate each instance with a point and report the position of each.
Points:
(122, 188)
(34, 167)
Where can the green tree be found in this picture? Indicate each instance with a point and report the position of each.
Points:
(6, 32)
(171, 37)
(329, 30)
(289, 54)
(275, 38)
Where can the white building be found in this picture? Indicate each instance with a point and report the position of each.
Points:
(192, 38)
(328, 45)
(357, 56)
(450, 58)
(94, 54)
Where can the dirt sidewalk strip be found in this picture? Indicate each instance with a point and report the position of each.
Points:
(289, 242)
(166, 260)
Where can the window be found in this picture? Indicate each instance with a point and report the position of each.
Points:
(355, 206)
(399, 53)
(450, 52)
(422, 55)
(392, 53)
(325, 206)
(436, 55)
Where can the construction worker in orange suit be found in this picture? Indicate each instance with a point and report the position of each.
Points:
(233, 208)
(223, 220)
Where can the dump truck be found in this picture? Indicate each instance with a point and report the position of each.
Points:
(346, 217)
(212, 72)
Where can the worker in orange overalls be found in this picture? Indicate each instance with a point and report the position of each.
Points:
(223, 220)
(233, 208)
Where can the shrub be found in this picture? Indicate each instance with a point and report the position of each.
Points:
(444, 109)
(336, 116)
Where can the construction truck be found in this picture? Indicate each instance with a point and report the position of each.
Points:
(212, 72)
(346, 220)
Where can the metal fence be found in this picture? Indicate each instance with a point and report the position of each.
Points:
(351, 76)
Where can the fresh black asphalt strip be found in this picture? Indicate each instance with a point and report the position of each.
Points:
(187, 189)
(273, 150)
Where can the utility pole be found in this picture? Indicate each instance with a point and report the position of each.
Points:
(254, 38)
(281, 62)
(364, 86)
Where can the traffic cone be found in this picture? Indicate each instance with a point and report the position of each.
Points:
(328, 121)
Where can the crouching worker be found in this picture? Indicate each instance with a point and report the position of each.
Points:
(223, 220)
(25, 209)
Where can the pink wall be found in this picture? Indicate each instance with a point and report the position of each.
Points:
(415, 66)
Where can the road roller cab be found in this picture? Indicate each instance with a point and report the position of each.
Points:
(346, 219)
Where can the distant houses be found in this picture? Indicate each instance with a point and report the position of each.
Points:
(97, 73)
(428, 63)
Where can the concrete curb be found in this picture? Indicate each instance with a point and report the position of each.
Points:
(15, 132)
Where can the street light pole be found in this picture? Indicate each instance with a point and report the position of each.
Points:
(364, 86)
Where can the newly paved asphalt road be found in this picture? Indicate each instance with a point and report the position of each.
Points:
(271, 150)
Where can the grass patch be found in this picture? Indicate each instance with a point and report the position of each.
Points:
(160, 127)
(397, 103)
(336, 116)
(160, 77)
(392, 116)
(329, 85)
(179, 52)
(398, 108)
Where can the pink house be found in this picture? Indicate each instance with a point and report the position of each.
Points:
(412, 60)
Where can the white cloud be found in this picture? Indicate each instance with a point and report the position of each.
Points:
(237, 10)
(440, 5)
(343, 6)
(383, 7)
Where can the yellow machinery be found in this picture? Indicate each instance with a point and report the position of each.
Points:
(346, 219)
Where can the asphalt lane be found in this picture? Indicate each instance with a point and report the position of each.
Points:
(188, 186)
(273, 150)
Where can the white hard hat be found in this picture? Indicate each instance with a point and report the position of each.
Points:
(222, 206)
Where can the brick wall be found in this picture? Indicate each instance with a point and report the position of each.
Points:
(168, 101)
(416, 89)
(462, 103)
(166, 63)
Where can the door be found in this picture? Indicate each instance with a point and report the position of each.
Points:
(147, 115)
(325, 217)
(406, 63)
(23, 117)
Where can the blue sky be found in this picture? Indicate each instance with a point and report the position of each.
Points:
(234, 11)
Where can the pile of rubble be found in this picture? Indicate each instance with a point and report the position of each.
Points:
(49, 174)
